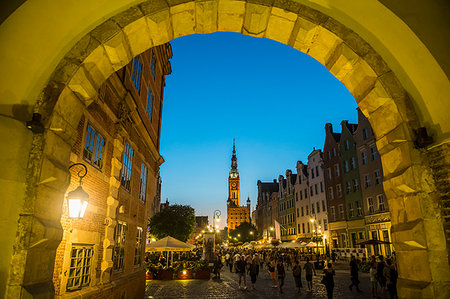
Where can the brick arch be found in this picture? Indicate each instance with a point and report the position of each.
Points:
(417, 226)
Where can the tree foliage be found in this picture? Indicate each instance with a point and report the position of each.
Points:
(177, 221)
(245, 232)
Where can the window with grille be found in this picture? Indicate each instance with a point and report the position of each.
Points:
(149, 108)
(370, 205)
(80, 267)
(336, 168)
(119, 245)
(377, 177)
(341, 211)
(348, 187)
(126, 166)
(153, 65)
(339, 190)
(93, 147)
(353, 163)
(367, 181)
(350, 210)
(364, 157)
(137, 73)
(373, 152)
(381, 206)
(355, 185)
(359, 208)
(143, 187)
(138, 247)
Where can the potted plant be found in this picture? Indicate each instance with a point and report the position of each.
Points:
(166, 273)
(202, 270)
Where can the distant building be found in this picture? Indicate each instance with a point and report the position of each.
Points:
(376, 210)
(201, 222)
(351, 187)
(302, 203)
(236, 214)
(286, 206)
(333, 187)
(266, 208)
(164, 205)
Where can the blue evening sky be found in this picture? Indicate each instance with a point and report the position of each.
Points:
(272, 98)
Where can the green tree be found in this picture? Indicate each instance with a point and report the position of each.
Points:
(177, 221)
(245, 232)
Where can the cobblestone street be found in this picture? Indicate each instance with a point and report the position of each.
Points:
(227, 287)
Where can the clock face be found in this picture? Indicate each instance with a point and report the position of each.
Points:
(233, 184)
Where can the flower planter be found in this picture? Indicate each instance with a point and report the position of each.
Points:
(186, 275)
(149, 275)
(165, 274)
(202, 274)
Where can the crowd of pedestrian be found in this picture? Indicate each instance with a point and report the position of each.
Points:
(382, 274)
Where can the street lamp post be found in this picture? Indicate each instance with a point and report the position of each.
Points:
(78, 198)
(313, 221)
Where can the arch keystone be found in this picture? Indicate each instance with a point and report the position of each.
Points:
(183, 19)
(256, 19)
(206, 14)
(231, 15)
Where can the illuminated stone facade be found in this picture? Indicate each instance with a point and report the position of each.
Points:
(102, 254)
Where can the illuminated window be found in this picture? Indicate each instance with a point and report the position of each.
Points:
(359, 208)
(80, 267)
(143, 186)
(126, 167)
(350, 210)
(138, 247)
(93, 147)
(137, 73)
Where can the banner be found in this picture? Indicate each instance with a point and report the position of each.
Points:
(358, 253)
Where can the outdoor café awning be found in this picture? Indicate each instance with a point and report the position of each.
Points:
(169, 244)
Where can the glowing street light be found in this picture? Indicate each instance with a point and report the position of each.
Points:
(78, 198)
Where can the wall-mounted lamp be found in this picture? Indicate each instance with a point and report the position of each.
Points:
(78, 198)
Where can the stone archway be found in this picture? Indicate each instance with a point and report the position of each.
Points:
(418, 231)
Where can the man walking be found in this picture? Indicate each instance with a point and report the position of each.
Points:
(309, 269)
(354, 275)
(240, 270)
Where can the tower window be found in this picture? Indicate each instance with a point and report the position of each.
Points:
(137, 73)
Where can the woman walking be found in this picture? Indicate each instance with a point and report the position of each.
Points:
(329, 280)
(254, 269)
(272, 268)
(297, 272)
(281, 274)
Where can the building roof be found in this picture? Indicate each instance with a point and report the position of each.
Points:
(268, 186)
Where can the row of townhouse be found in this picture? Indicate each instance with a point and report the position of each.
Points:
(326, 198)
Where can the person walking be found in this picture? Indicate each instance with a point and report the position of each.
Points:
(309, 269)
(254, 270)
(217, 266)
(328, 280)
(380, 274)
(297, 272)
(354, 274)
(272, 270)
(240, 270)
(391, 276)
(373, 279)
(281, 274)
(236, 258)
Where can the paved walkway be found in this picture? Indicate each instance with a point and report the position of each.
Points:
(227, 287)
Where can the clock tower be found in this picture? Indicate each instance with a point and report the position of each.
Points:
(234, 194)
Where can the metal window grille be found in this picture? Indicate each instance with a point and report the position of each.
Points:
(137, 73)
(93, 147)
(143, 187)
(126, 167)
(119, 246)
(80, 267)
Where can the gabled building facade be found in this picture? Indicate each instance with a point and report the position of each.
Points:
(286, 205)
(302, 203)
(376, 210)
(267, 194)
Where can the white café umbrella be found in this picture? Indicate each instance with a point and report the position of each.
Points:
(168, 244)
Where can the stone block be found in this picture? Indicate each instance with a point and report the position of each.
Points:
(256, 19)
(83, 48)
(376, 98)
(303, 35)
(105, 31)
(345, 62)
(138, 36)
(128, 16)
(324, 47)
(413, 265)
(231, 15)
(49, 202)
(435, 231)
(393, 138)
(183, 19)
(361, 80)
(397, 159)
(118, 50)
(57, 149)
(288, 5)
(150, 7)
(54, 174)
(64, 72)
(98, 65)
(160, 27)
(280, 26)
(206, 14)
(69, 107)
(385, 119)
(83, 86)
(396, 208)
